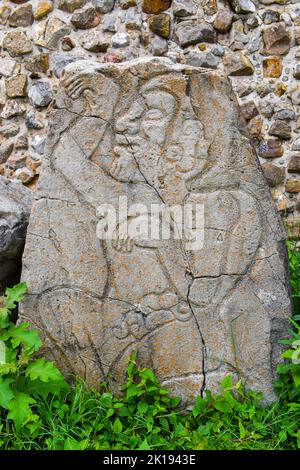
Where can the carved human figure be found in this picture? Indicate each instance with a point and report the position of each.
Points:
(187, 311)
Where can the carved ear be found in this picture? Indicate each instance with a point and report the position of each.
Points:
(246, 236)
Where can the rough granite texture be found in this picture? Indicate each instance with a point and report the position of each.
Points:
(163, 133)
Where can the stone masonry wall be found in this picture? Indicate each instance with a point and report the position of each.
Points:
(255, 42)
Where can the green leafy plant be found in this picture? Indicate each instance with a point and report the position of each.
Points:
(23, 377)
(294, 264)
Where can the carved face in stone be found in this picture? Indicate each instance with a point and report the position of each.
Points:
(162, 135)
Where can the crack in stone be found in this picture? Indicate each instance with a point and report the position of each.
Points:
(203, 346)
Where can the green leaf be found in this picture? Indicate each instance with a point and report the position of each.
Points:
(242, 430)
(117, 426)
(200, 404)
(142, 407)
(132, 391)
(18, 335)
(144, 445)
(11, 298)
(72, 444)
(2, 352)
(14, 295)
(43, 370)
(227, 382)
(6, 393)
(110, 412)
(148, 374)
(164, 423)
(296, 377)
(20, 411)
(43, 389)
(106, 400)
(223, 405)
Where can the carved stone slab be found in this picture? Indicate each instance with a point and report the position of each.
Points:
(152, 133)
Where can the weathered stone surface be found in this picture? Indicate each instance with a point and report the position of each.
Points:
(133, 20)
(103, 6)
(85, 18)
(280, 129)
(16, 160)
(293, 228)
(71, 5)
(159, 46)
(40, 94)
(22, 142)
(24, 174)
(297, 71)
(210, 7)
(160, 24)
(276, 39)
(7, 67)
(16, 43)
(242, 6)
(60, 61)
(95, 41)
(294, 164)
(155, 6)
(292, 186)
(5, 150)
(38, 144)
(249, 110)
(9, 130)
(238, 64)
(109, 23)
(12, 108)
(67, 43)
(21, 17)
(255, 126)
(120, 40)
(189, 33)
(270, 2)
(223, 20)
(38, 63)
(15, 205)
(206, 60)
(273, 174)
(4, 14)
(16, 86)
(182, 8)
(280, 89)
(270, 16)
(42, 9)
(56, 29)
(125, 4)
(272, 67)
(285, 115)
(32, 121)
(155, 132)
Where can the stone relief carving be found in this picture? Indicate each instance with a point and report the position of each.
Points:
(143, 131)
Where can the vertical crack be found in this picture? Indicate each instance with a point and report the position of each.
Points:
(204, 350)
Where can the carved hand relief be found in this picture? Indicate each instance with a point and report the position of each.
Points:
(184, 291)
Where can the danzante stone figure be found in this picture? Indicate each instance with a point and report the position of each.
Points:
(164, 134)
